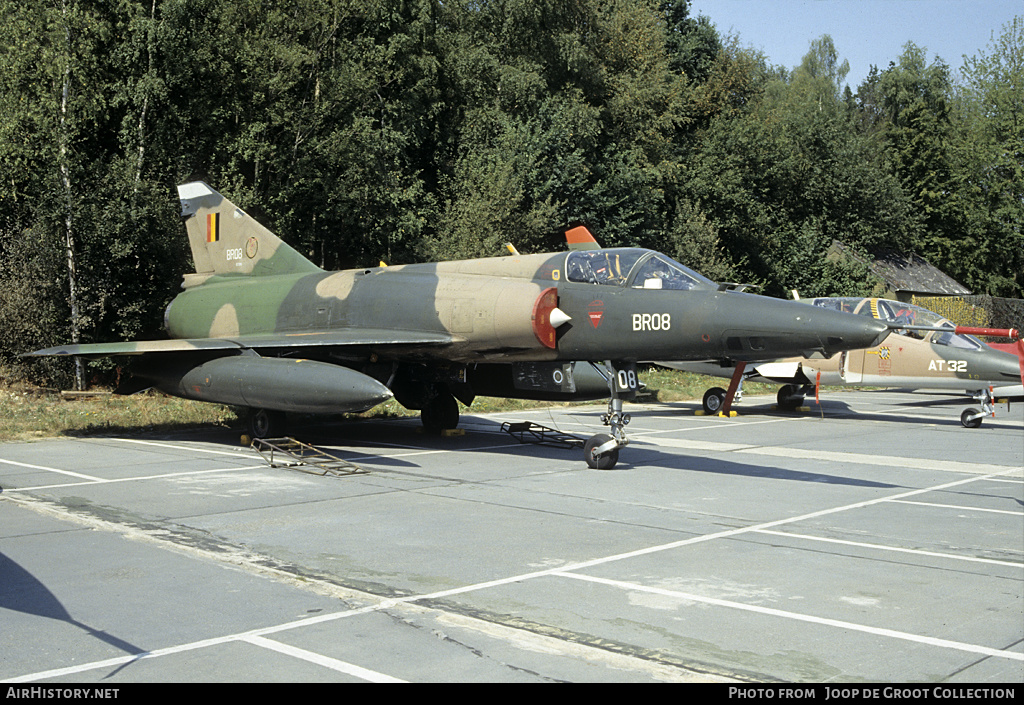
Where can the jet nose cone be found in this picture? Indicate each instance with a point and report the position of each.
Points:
(761, 327)
(839, 331)
(1010, 368)
(836, 331)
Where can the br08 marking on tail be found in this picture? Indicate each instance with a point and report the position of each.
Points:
(652, 321)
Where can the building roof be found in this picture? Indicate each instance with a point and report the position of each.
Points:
(907, 272)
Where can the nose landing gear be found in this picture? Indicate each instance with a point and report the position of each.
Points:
(602, 450)
(971, 418)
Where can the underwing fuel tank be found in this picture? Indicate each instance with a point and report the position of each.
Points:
(304, 386)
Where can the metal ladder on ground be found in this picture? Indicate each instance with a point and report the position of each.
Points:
(290, 453)
(529, 432)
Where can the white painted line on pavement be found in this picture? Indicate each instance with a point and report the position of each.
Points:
(321, 660)
(824, 621)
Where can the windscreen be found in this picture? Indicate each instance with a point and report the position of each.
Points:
(629, 266)
(607, 267)
(661, 272)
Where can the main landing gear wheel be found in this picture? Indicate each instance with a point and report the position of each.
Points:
(714, 398)
(789, 397)
(600, 461)
(440, 414)
(971, 418)
(264, 423)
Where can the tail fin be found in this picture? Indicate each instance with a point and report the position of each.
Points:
(579, 238)
(226, 240)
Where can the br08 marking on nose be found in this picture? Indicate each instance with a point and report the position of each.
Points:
(652, 321)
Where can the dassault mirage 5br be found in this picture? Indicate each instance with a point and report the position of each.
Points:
(929, 352)
(260, 326)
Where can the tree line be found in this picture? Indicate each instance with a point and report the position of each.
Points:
(416, 130)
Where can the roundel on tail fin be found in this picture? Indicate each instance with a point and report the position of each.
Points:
(226, 240)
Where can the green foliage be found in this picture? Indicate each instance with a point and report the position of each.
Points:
(405, 130)
(990, 160)
(692, 43)
(569, 116)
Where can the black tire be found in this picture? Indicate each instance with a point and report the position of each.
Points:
(968, 420)
(714, 399)
(264, 423)
(789, 397)
(440, 414)
(606, 461)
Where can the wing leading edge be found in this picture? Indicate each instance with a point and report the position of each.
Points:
(276, 341)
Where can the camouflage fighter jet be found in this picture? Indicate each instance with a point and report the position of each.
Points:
(929, 352)
(260, 326)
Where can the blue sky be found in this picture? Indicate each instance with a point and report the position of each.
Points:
(864, 32)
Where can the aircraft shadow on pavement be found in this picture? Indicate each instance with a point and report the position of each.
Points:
(633, 458)
(361, 441)
(648, 457)
(20, 591)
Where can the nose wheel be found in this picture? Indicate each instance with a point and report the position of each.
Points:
(971, 418)
(602, 450)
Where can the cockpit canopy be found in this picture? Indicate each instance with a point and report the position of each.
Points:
(632, 267)
(908, 314)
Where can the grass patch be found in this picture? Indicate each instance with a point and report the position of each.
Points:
(27, 413)
(665, 385)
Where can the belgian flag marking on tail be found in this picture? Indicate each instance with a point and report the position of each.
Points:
(212, 227)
